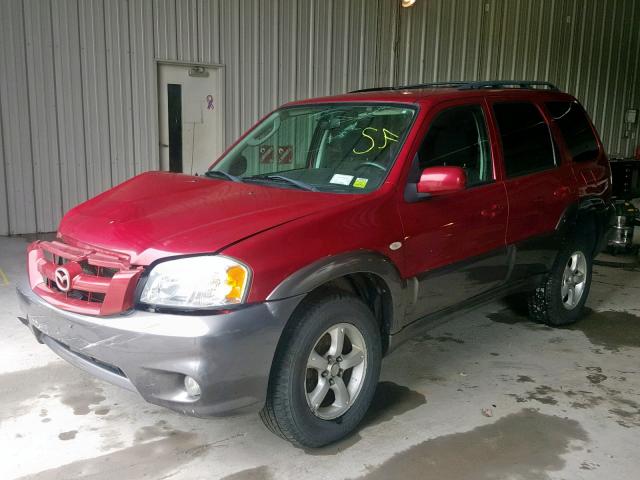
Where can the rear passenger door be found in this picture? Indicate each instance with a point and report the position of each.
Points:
(539, 185)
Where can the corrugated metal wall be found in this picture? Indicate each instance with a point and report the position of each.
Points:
(590, 48)
(78, 108)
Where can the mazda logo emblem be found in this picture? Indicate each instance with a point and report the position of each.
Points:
(63, 279)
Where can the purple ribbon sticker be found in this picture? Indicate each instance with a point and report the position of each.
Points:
(209, 102)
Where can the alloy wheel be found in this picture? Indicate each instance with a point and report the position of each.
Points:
(574, 280)
(335, 371)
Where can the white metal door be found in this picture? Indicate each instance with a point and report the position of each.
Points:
(194, 96)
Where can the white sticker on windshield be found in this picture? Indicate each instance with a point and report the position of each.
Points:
(341, 179)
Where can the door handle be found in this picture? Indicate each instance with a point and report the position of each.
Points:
(490, 212)
(562, 192)
(164, 145)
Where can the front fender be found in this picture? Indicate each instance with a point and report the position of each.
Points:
(331, 268)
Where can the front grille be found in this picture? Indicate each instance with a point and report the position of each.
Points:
(82, 279)
(77, 294)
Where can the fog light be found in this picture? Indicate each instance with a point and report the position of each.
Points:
(191, 386)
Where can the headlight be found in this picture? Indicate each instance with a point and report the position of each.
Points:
(197, 282)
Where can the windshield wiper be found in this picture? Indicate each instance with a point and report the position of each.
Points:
(282, 178)
(220, 173)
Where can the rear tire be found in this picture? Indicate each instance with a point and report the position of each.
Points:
(561, 298)
(312, 400)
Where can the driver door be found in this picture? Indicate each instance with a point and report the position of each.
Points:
(455, 243)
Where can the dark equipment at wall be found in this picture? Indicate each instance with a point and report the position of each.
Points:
(626, 178)
(627, 217)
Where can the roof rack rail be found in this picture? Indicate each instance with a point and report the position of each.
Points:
(471, 85)
(510, 84)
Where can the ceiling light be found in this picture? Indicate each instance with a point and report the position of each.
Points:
(407, 3)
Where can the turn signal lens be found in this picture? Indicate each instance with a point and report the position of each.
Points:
(236, 279)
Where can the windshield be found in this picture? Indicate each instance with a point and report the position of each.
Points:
(346, 148)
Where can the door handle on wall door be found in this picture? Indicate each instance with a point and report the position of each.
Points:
(164, 145)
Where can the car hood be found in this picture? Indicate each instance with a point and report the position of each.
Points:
(158, 214)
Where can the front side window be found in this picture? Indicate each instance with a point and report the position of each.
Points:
(575, 128)
(343, 148)
(526, 139)
(458, 137)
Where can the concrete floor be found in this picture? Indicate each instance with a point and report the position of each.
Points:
(564, 404)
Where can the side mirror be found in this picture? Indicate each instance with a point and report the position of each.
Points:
(441, 180)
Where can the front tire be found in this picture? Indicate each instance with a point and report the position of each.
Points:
(325, 372)
(560, 300)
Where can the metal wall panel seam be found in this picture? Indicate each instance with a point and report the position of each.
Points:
(635, 102)
(261, 65)
(395, 45)
(627, 92)
(361, 52)
(407, 52)
(527, 41)
(583, 28)
(68, 95)
(436, 47)
(598, 63)
(82, 109)
(55, 100)
(619, 95)
(487, 37)
(134, 140)
(547, 65)
(516, 39)
(106, 66)
(480, 51)
(607, 76)
(450, 49)
(590, 67)
(5, 225)
(423, 46)
(572, 32)
(275, 71)
(394, 41)
(24, 33)
(345, 52)
(503, 33)
(620, 81)
(465, 42)
(632, 89)
(294, 29)
(256, 61)
(538, 47)
(310, 57)
(175, 26)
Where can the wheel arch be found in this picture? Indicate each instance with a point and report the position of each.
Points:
(590, 217)
(369, 275)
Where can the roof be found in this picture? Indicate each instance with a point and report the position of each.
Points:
(424, 93)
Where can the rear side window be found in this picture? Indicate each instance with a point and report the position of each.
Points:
(457, 137)
(526, 140)
(576, 130)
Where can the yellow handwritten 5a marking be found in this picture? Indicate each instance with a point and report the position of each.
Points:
(387, 137)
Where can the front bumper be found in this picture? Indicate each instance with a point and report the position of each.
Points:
(229, 354)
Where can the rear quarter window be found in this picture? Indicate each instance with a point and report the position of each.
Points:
(576, 130)
(526, 141)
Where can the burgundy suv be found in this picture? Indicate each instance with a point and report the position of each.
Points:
(329, 233)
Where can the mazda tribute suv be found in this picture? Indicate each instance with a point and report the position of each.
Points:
(332, 231)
